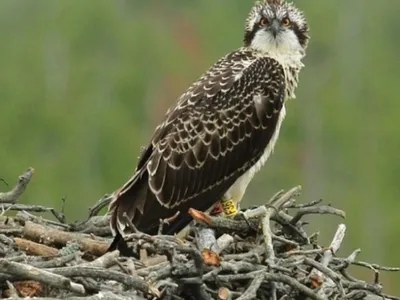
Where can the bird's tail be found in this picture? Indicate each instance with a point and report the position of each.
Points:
(119, 244)
(136, 202)
(129, 200)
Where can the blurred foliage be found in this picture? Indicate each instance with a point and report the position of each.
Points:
(83, 84)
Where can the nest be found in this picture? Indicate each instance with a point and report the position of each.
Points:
(262, 253)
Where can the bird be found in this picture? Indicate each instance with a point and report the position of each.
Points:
(220, 132)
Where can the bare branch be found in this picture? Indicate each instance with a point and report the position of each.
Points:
(23, 271)
(13, 195)
(263, 252)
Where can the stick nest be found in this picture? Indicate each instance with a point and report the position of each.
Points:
(262, 253)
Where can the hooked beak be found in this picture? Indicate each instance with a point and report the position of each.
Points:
(275, 27)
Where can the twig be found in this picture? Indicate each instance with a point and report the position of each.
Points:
(317, 210)
(285, 241)
(223, 242)
(304, 252)
(5, 182)
(100, 296)
(293, 283)
(32, 208)
(59, 261)
(166, 222)
(316, 274)
(107, 260)
(92, 272)
(35, 248)
(303, 205)
(327, 272)
(12, 290)
(29, 272)
(205, 239)
(97, 225)
(274, 277)
(267, 233)
(24, 216)
(375, 266)
(13, 195)
(50, 236)
(274, 206)
(222, 223)
(102, 203)
(251, 292)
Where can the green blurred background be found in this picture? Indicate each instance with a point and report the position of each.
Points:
(84, 83)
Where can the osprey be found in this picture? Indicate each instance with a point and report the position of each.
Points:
(221, 130)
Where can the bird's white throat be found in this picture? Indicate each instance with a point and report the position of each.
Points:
(284, 46)
(286, 49)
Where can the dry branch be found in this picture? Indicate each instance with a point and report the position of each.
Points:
(14, 194)
(33, 248)
(262, 253)
(49, 236)
(23, 271)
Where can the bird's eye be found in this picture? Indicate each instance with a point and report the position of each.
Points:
(286, 22)
(263, 22)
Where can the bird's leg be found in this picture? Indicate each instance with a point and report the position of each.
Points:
(232, 209)
(225, 207)
(229, 207)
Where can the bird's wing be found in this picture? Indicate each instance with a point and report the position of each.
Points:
(217, 130)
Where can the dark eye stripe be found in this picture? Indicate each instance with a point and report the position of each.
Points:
(297, 22)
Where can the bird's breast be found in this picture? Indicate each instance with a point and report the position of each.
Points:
(270, 147)
(292, 65)
(237, 190)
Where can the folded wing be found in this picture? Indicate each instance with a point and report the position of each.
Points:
(218, 129)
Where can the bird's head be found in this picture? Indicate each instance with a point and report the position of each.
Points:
(276, 26)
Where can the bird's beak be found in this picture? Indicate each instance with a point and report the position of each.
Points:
(275, 27)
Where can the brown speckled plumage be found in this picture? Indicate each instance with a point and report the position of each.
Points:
(215, 134)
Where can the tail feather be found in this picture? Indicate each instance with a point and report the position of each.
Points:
(119, 244)
(129, 199)
(144, 210)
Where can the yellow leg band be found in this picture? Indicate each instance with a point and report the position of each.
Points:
(229, 207)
